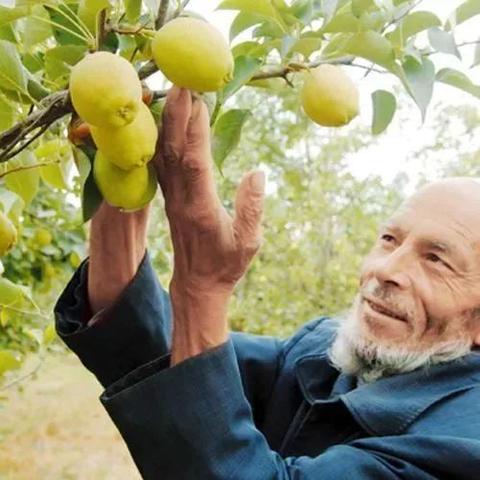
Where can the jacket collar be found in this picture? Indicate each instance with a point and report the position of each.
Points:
(389, 405)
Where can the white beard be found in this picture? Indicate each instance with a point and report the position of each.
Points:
(369, 360)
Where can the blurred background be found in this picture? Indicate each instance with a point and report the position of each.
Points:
(328, 190)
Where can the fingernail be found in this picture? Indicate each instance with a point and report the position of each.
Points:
(257, 181)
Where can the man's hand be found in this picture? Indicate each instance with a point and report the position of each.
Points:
(117, 247)
(211, 250)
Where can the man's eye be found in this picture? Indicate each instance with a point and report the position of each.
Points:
(387, 238)
(436, 259)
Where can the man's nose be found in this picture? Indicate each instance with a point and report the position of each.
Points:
(393, 269)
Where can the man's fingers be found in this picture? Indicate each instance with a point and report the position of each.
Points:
(248, 211)
(196, 164)
(176, 116)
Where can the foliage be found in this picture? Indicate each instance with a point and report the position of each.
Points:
(319, 215)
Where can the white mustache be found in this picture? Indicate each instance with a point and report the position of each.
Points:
(376, 291)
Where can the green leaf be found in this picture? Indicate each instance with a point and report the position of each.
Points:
(133, 8)
(33, 61)
(9, 360)
(372, 46)
(306, 46)
(49, 334)
(12, 75)
(342, 23)
(245, 68)
(419, 79)
(7, 114)
(264, 8)
(361, 6)
(59, 60)
(373, 20)
(443, 42)
(412, 24)
(10, 293)
(56, 175)
(8, 15)
(250, 49)
(36, 30)
(24, 182)
(66, 30)
(305, 10)
(268, 29)
(384, 106)
(243, 21)
(459, 80)
(227, 132)
(465, 11)
(91, 196)
(7, 32)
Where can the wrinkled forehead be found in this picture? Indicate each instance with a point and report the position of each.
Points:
(448, 208)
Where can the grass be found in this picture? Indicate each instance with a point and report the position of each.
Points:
(55, 428)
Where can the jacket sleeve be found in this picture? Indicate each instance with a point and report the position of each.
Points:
(136, 331)
(193, 422)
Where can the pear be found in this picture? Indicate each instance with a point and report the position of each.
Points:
(105, 90)
(329, 96)
(130, 146)
(129, 190)
(193, 54)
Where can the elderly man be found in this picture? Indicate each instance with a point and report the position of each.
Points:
(391, 390)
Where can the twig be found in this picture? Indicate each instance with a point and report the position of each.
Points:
(27, 167)
(181, 7)
(101, 31)
(11, 154)
(148, 69)
(55, 106)
(162, 14)
(24, 377)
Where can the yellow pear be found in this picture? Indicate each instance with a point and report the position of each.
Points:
(8, 234)
(129, 190)
(193, 54)
(105, 90)
(329, 97)
(130, 146)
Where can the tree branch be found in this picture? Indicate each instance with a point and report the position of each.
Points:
(162, 14)
(101, 29)
(55, 106)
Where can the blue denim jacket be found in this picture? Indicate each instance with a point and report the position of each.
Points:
(261, 408)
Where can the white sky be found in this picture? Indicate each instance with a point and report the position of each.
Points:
(386, 156)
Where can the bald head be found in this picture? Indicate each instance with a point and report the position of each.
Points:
(455, 195)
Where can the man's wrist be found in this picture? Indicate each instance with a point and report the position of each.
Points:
(199, 322)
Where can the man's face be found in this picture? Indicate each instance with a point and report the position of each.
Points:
(420, 283)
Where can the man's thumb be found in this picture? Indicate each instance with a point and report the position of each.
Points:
(249, 210)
